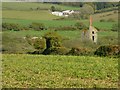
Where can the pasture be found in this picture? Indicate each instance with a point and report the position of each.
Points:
(28, 5)
(39, 71)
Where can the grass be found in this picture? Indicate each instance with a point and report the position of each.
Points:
(70, 39)
(22, 71)
(26, 6)
(57, 23)
(28, 15)
(67, 34)
(106, 16)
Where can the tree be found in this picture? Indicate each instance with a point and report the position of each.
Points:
(37, 26)
(53, 43)
(87, 9)
(80, 25)
(53, 8)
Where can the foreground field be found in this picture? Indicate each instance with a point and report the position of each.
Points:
(20, 70)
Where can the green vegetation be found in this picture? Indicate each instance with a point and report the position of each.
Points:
(28, 15)
(34, 6)
(26, 27)
(41, 71)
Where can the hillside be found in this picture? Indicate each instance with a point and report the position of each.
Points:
(29, 5)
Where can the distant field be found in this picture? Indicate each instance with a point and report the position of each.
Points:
(29, 5)
(23, 71)
(28, 15)
(67, 34)
(106, 15)
(71, 38)
(55, 23)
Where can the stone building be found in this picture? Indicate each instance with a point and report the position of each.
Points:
(90, 34)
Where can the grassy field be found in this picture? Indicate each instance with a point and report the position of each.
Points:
(56, 23)
(28, 5)
(28, 15)
(106, 15)
(65, 34)
(21, 13)
(41, 71)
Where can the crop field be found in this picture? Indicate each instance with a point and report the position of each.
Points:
(41, 71)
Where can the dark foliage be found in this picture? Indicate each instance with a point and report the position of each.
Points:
(37, 26)
(13, 26)
(79, 51)
(109, 50)
(80, 26)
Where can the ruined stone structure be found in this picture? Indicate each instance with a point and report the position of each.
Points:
(90, 34)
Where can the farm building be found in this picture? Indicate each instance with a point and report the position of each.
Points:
(57, 13)
(63, 13)
(90, 34)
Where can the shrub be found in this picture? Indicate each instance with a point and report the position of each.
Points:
(115, 27)
(65, 28)
(78, 51)
(80, 25)
(53, 41)
(37, 26)
(102, 20)
(53, 8)
(109, 50)
(39, 44)
(13, 26)
(56, 51)
(111, 20)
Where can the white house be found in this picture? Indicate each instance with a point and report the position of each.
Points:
(57, 13)
(68, 12)
(65, 13)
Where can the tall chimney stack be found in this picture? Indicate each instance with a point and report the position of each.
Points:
(90, 20)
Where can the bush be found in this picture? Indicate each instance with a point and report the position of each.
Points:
(53, 41)
(39, 44)
(10, 26)
(102, 20)
(13, 26)
(37, 26)
(111, 20)
(65, 28)
(109, 50)
(79, 51)
(80, 26)
(115, 27)
(53, 8)
(56, 51)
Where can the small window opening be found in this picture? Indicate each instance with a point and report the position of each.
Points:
(93, 38)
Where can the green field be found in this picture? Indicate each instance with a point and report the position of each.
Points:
(28, 15)
(28, 5)
(65, 34)
(41, 71)
(21, 13)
